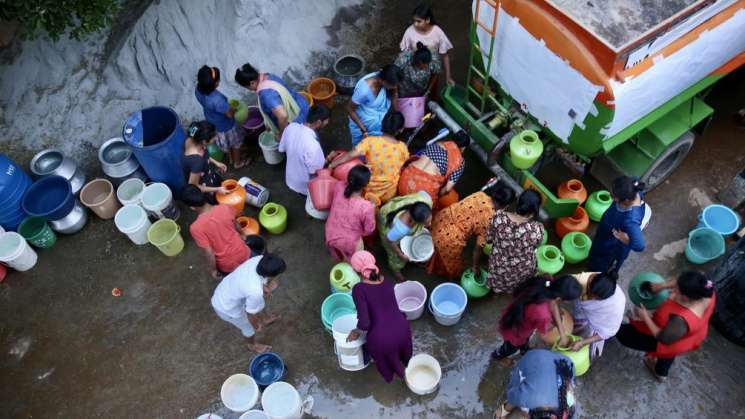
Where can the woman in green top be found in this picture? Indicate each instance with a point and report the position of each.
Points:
(402, 216)
(419, 70)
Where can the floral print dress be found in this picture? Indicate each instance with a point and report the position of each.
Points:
(512, 259)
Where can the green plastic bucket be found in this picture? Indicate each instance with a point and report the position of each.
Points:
(335, 306)
(37, 232)
(165, 235)
(704, 244)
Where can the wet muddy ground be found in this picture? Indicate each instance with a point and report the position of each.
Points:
(71, 350)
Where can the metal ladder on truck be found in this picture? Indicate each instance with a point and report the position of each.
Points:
(478, 70)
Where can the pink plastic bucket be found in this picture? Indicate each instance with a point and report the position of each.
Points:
(411, 296)
(413, 110)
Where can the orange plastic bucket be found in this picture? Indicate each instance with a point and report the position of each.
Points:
(323, 91)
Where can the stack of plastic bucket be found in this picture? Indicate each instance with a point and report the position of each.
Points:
(157, 138)
(13, 184)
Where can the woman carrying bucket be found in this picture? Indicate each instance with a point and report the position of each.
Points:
(200, 169)
(619, 231)
(535, 306)
(678, 326)
(455, 225)
(419, 70)
(388, 333)
(402, 216)
(435, 169)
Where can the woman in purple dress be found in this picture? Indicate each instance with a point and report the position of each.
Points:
(388, 334)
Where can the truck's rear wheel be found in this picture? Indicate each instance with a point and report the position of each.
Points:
(668, 161)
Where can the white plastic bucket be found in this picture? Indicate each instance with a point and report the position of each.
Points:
(209, 416)
(281, 400)
(130, 191)
(350, 354)
(270, 148)
(447, 302)
(239, 392)
(132, 220)
(423, 374)
(647, 216)
(15, 252)
(254, 414)
(157, 199)
(256, 194)
(411, 297)
(313, 212)
(418, 248)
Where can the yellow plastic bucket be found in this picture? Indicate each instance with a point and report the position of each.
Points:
(165, 234)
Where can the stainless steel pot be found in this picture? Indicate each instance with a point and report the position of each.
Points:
(53, 162)
(117, 158)
(348, 69)
(72, 222)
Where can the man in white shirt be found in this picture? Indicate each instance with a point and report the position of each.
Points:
(239, 298)
(304, 153)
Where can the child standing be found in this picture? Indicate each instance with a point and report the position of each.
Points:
(425, 30)
(217, 110)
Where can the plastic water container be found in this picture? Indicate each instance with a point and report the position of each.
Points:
(413, 110)
(335, 306)
(239, 393)
(282, 401)
(99, 195)
(16, 252)
(313, 212)
(411, 297)
(130, 191)
(132, 220)
(13, 184)
(447, 303)
(157, 199)
(720, 219)
(423, 374)
(157, 139)
(165, 234)
(704, 245)
(267, 368)
(49, 197)
(270, 148)
(350, 354)
(256, 195)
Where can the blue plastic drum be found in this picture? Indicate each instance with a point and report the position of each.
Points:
(13, 184)
(157, 138)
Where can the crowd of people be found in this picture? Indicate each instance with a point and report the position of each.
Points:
(399, 192)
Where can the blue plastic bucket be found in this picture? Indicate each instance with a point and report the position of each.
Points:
(157, 139)
(448, 302)
(704, 244)
(719, 218)
(49, 197)
(267, 368)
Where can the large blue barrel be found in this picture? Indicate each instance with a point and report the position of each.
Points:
(13, 184)
(157, 138)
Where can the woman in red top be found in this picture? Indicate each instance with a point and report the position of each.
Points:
(678, 326)
(534, 307)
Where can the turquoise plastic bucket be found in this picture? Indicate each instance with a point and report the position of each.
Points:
(704, 245)
(720, 219)
(335, 306)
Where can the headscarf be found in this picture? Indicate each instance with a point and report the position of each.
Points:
(364, 262)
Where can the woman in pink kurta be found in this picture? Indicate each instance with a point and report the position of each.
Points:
(351, 216)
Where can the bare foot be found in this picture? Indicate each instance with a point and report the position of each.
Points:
(271, 319)
(506, 362)
(259, 348)
(399, 276)
(241, 164)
